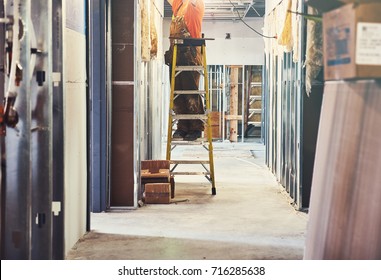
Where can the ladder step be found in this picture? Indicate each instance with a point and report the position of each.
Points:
(254, 98)
(189, 92)
(198, 141)
(190, 117)
(189, 161)
(190, 173)
(258, 124)
(256, 84)
(190, 68)
(255, 111)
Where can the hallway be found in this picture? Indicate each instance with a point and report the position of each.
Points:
(250, 217)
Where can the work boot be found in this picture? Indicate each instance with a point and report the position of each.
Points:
(192, 135)
(179, 134)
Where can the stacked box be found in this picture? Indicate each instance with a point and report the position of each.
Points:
(158, 193)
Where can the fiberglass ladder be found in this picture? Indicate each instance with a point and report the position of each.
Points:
(208, 165)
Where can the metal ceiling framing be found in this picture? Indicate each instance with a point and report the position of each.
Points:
(227, 9)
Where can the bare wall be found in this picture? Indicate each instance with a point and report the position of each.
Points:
(244, 48)
(74, 121)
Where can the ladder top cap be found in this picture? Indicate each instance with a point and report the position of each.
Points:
(190, 41)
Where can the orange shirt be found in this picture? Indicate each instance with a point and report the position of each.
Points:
(193, 14)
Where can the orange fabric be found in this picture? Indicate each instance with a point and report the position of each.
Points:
(193, 14)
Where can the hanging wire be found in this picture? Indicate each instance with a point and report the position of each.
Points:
(154, 3)
(241, 19)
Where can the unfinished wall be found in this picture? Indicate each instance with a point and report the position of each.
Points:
(75, 121)
(244, 48)
(271, 4)
(291, 117)
(149, 74)
(123, 108)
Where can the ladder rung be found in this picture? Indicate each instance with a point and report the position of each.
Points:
(190, 117)
(190, 68)
(189, 92)
(199, 141)
(189, 161)
(255, 123)
(256, 84)
(254, 98)
(255, 111)
(190, 173)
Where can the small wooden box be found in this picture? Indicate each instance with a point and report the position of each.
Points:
(158, 193)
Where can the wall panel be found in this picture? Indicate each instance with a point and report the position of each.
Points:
(345, 213)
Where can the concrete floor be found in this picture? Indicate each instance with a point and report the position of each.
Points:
(250, 217)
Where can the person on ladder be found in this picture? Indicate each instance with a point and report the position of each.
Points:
(186, 23)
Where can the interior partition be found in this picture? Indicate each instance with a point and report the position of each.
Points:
(122, 161)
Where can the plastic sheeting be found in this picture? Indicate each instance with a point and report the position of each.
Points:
(286, 26)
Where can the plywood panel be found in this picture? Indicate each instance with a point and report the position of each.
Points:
(345, 208)
(122, 128)
(122, 147)
(122, 62)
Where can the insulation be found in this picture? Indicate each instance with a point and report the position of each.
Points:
(153, 32)
(314, 50)
(286, 26)
(149, 38)
(285, 37)
(280, 16)
(270, 29)
(145, 31)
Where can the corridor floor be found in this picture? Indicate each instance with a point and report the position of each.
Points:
(251, 217)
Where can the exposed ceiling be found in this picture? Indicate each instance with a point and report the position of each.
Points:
(227, 9)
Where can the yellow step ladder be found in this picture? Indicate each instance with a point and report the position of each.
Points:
(208, 165)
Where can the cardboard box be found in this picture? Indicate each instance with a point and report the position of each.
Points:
(154, 171)
(352, 42)
(158, 193)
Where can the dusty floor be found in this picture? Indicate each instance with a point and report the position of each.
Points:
(250, 217)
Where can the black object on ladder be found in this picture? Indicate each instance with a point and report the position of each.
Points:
(172, 118)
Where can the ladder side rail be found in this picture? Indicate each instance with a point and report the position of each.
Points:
(209, 125)
(171, 102)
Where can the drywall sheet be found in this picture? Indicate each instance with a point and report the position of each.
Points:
(345, 209)
(75, 15)
(75, 137)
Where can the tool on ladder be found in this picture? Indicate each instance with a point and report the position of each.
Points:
(208, 165)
